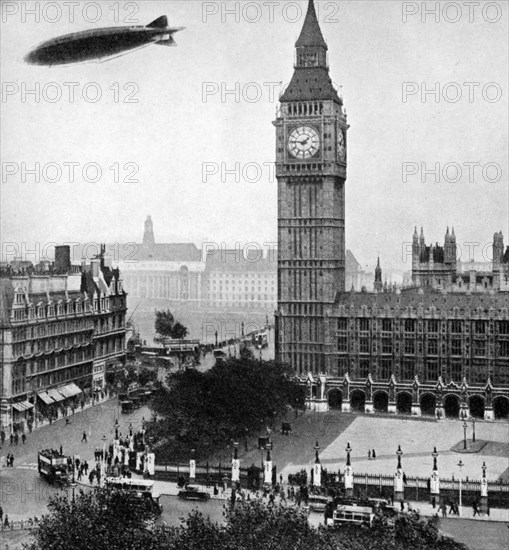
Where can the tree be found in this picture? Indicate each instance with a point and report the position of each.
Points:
(166, 327)
(164, 323)
(204, 410)
(103, 519)
(179, 331)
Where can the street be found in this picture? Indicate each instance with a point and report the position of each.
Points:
(23, 493)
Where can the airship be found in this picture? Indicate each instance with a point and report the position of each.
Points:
(101, 45)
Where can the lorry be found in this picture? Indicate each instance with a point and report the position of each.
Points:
(53, 466)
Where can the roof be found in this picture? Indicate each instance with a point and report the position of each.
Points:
(180, 252)
(310, 84)
(426, 297)
(311, 34)
(234, 261)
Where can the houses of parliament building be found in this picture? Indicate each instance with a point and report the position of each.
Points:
(439, 346)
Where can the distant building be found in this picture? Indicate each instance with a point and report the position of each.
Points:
(241, 281)
(63, 329)
(437, 267)
(163, 271)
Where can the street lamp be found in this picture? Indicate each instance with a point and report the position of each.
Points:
(434, 454)
(348, 451)
(473, 428)
(465, 434)
(317, 449)
(399, 452)
(104, 454)
(73, 482)
(460, 465)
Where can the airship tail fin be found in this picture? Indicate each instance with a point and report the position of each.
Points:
(159, 23)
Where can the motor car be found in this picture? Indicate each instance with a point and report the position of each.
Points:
(191, 492)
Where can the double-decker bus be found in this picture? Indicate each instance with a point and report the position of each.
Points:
(143, 488)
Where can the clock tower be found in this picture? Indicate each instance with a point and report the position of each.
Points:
(311, 148)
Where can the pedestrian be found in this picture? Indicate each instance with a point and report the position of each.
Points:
(61, 451)
(281, 479)
(23, 438)
(6, 522)
(77, 463)
(85, 467)
(16, 438)
(271, 500)
(444, 510)
(434, 502)
(475, 509)
(369, 454)
(67, 421)
(1, 514)
(12, 461)
(84, 438)
(91, 477)
(80, 472)
(11, 438)
(452, 507)
(402, 505)
(373, 454)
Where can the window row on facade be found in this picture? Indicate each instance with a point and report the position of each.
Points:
(455, 326)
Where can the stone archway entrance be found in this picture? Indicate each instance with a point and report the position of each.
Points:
(452, 406)
(404, 403)
(357, 400)
(335, 399)
(476, 406)
(428, 404)
(381, 401)
(501, 407)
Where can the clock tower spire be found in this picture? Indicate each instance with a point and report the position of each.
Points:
(311, 132)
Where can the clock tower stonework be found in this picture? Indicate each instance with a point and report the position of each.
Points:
(311, 147)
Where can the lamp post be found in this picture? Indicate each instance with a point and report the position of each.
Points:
(73, 482)
(435, 479)
(104, 458)
(473, 429)
(484, 490)
(460, 465)
(398, 478)
(268, 465)
(116, 428)
(192, 467)
(348, 473)
(317, 471)
(235, 463)
(465, 434)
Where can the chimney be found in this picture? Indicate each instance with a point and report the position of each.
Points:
(95, 267)
(62, 259)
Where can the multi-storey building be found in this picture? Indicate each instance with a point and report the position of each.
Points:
(440, 347)
(62, 329)
(241, 281)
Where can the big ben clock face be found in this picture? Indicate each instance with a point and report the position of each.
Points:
(341, 144)
(303, 142)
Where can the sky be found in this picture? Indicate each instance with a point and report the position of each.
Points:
(185, 134)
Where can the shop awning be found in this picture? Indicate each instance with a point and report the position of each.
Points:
(22, 406)
(70, 390)
(74, 389)
(45, 398)
(55, 395)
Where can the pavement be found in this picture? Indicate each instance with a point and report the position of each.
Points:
(384, 434)
(23, 494)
